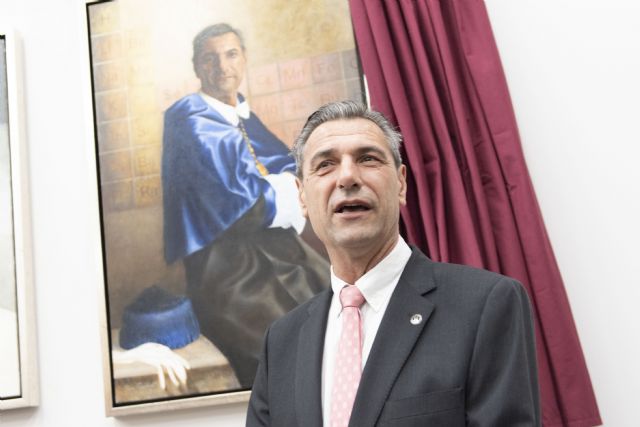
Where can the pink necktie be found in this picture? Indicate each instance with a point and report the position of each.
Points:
(348, 366)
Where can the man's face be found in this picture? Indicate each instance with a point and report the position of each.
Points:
(220, 67)
(351, 190)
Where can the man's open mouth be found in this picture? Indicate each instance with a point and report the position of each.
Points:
(352, 207)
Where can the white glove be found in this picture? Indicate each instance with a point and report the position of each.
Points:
(162, 357)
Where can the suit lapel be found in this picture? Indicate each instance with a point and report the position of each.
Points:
(395, 339)
(308, 401)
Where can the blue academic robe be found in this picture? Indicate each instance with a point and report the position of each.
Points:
(209, 177)
(241, 274)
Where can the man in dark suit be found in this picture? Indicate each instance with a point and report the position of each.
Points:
(399, 340)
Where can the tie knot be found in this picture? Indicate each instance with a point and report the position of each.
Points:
(350, 296)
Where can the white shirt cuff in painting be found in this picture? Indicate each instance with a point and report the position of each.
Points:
(288, 212)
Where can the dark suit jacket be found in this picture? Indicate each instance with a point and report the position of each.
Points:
(471, 361)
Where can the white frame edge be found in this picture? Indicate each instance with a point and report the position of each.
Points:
(25, 298)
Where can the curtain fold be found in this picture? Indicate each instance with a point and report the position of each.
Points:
(433, 69)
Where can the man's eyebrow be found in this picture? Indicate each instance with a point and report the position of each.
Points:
(372, 149)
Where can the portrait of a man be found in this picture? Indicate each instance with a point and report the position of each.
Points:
(230, 207)
(204, 242)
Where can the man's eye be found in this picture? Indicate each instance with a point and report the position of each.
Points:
(323, 164)
(368, 158)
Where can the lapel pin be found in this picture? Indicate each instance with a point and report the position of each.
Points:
(416, 319)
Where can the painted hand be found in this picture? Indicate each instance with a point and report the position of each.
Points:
(165, 360)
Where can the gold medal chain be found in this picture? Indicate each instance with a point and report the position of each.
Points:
(261, 168)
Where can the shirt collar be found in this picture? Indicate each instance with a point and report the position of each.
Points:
(378, 283)
(230, 113)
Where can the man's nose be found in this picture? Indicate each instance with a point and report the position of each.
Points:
(219, 64)
(349, 175)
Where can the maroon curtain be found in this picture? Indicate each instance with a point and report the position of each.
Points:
(433, 68)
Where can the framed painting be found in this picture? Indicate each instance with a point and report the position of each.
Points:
(196, 104)
(18, 360)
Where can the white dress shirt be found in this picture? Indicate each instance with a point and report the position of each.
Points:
(288, 213)
(376, 286)
(230, 113)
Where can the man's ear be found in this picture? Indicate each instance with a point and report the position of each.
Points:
(402, 179)
(301, 197)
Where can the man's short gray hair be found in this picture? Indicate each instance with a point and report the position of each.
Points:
(214, 30)
(345, 110)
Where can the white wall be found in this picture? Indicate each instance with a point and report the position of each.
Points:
(572, 68)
